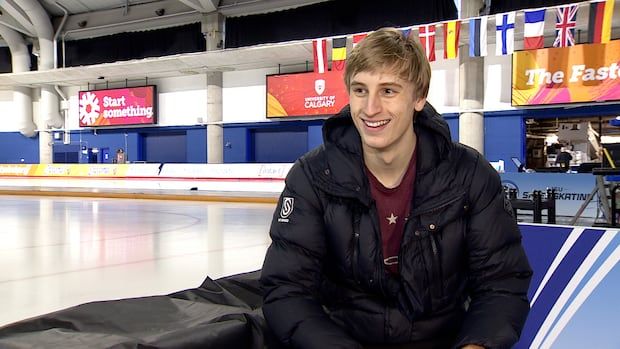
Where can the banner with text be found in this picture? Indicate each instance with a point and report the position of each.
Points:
(581, 73)
(571, 190)
(120, 106)
(305, 94)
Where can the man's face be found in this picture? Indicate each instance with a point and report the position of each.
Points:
(382, 107)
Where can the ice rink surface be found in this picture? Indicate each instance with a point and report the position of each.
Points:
(60, 252)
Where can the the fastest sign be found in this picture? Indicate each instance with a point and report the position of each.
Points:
(582, 73)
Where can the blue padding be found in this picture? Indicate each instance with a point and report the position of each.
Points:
(577, 305)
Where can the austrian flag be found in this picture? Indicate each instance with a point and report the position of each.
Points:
(427, 39)
(319, 49)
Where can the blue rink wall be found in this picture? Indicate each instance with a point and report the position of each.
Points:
(574, 290)
(263, 141)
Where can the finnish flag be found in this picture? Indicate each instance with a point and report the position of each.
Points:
(505, 36)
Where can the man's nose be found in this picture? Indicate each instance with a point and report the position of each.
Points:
(373, 104)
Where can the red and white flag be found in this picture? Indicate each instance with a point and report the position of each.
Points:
(357, 38)
(427, 39)
(319, 50)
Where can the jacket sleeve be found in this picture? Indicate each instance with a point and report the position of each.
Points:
(293, 267)
(499, 272)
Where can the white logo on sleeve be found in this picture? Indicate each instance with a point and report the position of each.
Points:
(286, 209)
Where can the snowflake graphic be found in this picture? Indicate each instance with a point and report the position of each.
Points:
(89, 108)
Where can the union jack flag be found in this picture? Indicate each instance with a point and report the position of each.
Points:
(565, 23)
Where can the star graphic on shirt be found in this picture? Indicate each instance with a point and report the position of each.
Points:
(391, 219)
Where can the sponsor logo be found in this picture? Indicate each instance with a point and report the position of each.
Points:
(319, 86)
(510, 185)
(286, 209)
(89, 108)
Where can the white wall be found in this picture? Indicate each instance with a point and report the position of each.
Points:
(8, 121)
(497, 81)
(443, 92)
(182, 100)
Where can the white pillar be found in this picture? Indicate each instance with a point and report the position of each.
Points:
(471, 83)
(48, 104)
(212, 28)
(22, 96)
(215, 131)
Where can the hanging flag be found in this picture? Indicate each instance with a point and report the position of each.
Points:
(339, 53)
(478, 37)
(319, 50)
(357, 38)
(609, 12)
(599, 25)
(505, 34)
(406, 32)
(451, 32)
(427, 39)
(533, 31)
(565, 23)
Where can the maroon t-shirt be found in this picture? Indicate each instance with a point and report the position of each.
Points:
(393, 207)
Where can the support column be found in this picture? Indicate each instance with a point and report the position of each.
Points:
(471, 83)
(215, 131)
(212, 28)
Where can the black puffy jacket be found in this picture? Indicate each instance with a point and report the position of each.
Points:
(463, 271)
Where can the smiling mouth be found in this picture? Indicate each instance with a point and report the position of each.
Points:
(376, 124)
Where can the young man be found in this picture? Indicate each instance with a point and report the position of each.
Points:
(390, 233)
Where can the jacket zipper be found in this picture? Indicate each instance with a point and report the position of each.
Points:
(433, 244)
(356, 240)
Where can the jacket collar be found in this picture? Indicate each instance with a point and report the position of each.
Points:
(344, 151)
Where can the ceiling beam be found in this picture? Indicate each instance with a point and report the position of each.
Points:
(20, 17)
(193, 4)
(210, 5)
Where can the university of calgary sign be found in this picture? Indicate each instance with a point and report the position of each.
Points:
(581, 73)
(120, 106)
(304, 94)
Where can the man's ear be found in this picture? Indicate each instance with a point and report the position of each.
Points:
(419, 104)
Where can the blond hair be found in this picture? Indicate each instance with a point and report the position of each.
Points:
(388, 48)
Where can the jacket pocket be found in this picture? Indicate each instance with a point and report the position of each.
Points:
(437, 227)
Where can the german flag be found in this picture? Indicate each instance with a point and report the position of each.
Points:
(599, 25)
(339, 53)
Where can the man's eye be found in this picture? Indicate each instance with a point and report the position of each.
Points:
(389, 91)
(359, 91)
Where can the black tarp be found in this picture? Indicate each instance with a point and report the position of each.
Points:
(223, 313)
